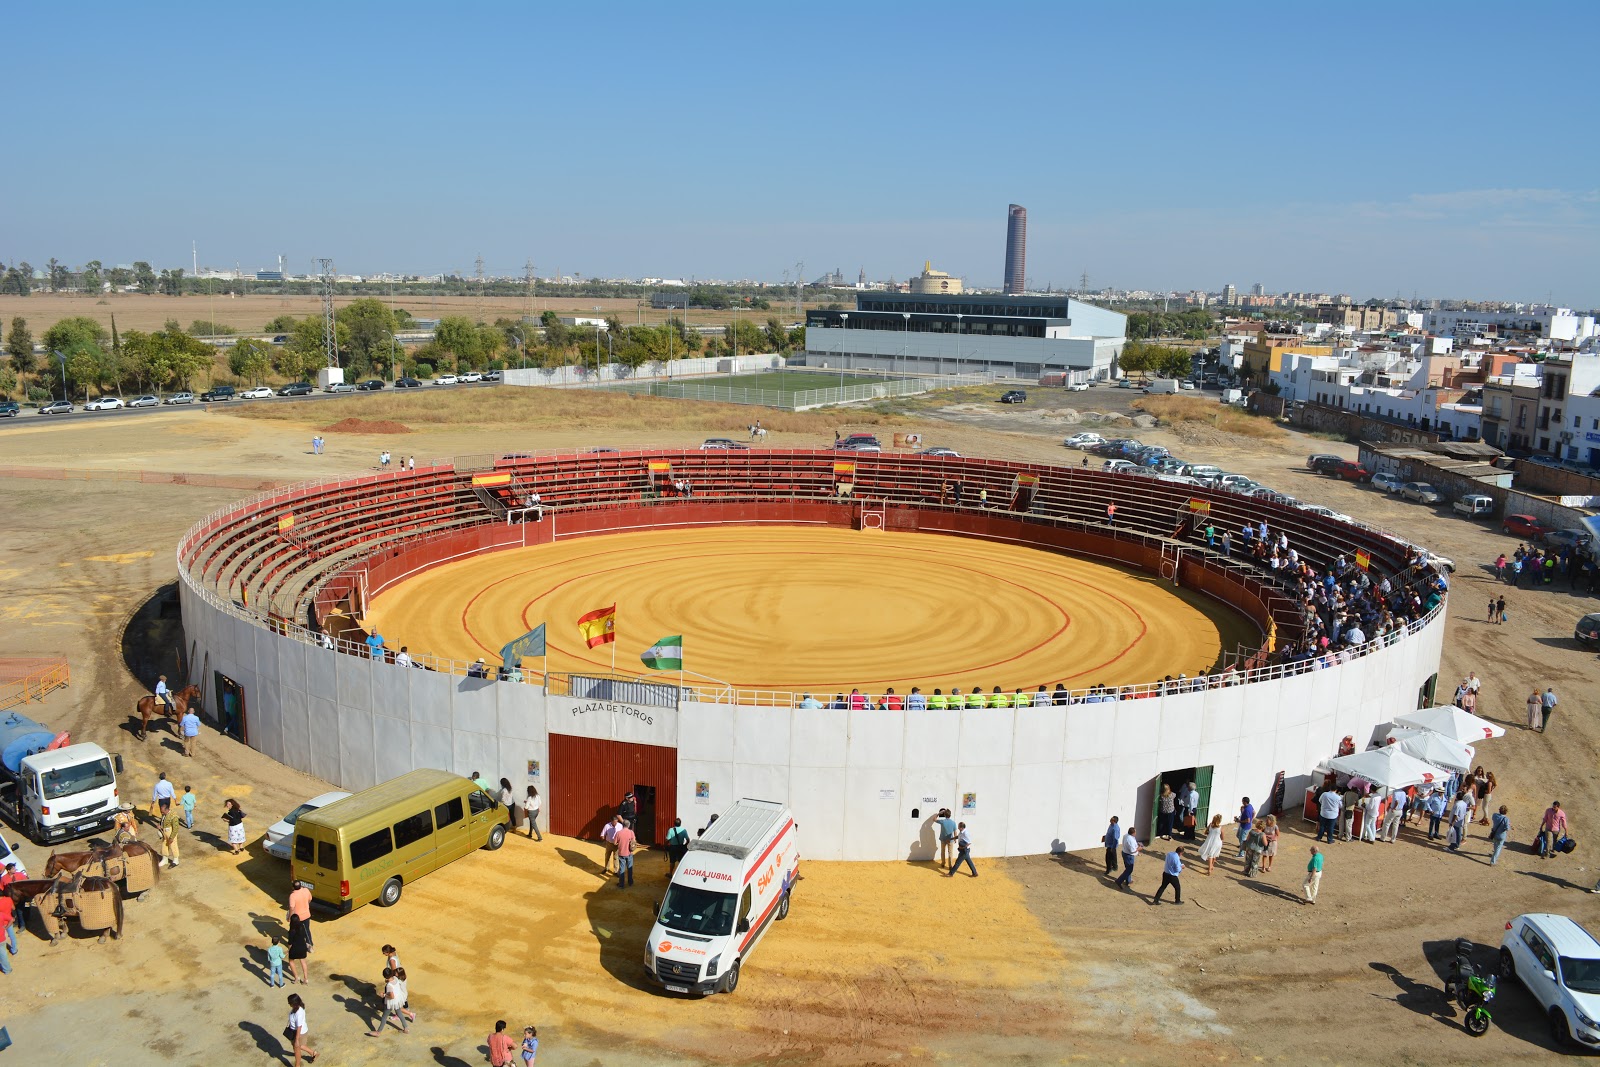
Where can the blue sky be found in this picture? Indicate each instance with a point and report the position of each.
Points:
(1442, 149)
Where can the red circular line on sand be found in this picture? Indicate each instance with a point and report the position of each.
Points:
(583, 658)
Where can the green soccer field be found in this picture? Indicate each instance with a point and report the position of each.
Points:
(788, 381)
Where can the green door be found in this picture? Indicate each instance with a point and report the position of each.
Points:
(1202, 785)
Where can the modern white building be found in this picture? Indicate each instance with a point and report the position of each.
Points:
(1005, 336)
(1534, 320)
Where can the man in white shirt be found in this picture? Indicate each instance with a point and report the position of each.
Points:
(161, 796)
(1191, 804)
(809, 701)
(403, 657)
(1130, 852)
(1354, 635)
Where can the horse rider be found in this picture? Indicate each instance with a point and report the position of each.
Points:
(163, 694)
(125, 826)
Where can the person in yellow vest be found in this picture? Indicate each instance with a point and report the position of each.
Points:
(1019, 699)
(937, 701)
(999, 699)
(975, 698)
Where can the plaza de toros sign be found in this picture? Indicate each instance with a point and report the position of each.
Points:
(613, 720)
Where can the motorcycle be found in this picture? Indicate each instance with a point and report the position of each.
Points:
(1472, 990)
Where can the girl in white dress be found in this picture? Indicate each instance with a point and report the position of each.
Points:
(1211, 848)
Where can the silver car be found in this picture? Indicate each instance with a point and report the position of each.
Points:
(1420, 492)
(280, 835)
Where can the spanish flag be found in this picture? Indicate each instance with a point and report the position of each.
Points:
(1363, 560)
(599, 627)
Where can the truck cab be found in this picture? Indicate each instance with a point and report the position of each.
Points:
(733, 883)
(57, 794)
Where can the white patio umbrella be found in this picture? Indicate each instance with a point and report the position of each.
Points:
(1389, 767)
(1458, 725)
(1433, 747)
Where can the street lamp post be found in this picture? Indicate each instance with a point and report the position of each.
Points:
(844, 324)
(597, 351)
(905, 338)
(958, 343)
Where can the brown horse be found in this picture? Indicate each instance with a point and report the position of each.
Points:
(180, 704)
(133, 864)
(95, 902)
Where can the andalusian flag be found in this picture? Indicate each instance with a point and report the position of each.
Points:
(665, 655)
(599, 627)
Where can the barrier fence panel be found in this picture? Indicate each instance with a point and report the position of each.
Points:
(25, 679)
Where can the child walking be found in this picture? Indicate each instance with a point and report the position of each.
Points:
(275, 957)
(188, 801)
(530, 1044)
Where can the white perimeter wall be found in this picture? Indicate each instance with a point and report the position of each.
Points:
(1042, 780)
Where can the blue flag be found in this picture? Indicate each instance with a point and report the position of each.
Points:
(529, 644)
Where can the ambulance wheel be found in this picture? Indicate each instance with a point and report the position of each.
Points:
(731, 982)
(390, 893)
(783, 907)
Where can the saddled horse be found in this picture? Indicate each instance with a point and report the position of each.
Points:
(95, 902)
(758, 432)
(180, 703)
(134, 864)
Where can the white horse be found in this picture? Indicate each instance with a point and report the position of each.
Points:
(758, 432)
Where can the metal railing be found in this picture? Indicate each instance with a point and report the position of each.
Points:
(25, 679)
(798, 399)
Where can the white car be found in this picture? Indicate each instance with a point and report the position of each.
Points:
(181, 398)
(1084, 440)
(471, 376)
(146, 401)
(9, 855)
(280, 835)
(446, 379)
(1327, 513)
(260, 392)
(1557, 961)
(1389, 483)
(1078, 387)
(104, 403)
(1237, 482)
(1120, 466)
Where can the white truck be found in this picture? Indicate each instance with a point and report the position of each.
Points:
(733, 883)
(1162, 385)
(50, 789)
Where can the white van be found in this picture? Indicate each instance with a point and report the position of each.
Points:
(734, 881)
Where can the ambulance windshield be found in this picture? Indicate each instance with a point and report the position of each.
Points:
(698, 911)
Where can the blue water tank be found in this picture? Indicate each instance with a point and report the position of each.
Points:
(21, 737)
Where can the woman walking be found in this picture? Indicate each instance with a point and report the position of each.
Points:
(531, 807)
(1270, 832)
(299, 949)
(1255, 846)
(1488, 795)
(1166, 810)
(233, 815)
(1534, 706)
(297, 1032)
(508, 800)
(1499, 827)
(393, 1004)
(1211, 848)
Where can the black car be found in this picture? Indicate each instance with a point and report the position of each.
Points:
(1587, 632)
(1323, 463)
(9, 409)
(371, 385)
(407, 383)
(296, 389)
(217, 392)
(1014, 396)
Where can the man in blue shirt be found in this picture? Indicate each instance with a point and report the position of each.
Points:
(916, 701)
(1170, 875)
(375, 645)
(1246, 816)
(190, 724)
(810, 701)
(1111, 838)
(947, 838)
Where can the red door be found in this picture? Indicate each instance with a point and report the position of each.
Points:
(588, 778)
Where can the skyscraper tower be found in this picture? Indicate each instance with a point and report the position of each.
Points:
(1016, 249)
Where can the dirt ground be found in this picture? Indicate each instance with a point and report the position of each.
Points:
(1038, 961)
(746, 601)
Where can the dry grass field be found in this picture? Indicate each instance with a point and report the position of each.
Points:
(250, 314)
(1204, 411)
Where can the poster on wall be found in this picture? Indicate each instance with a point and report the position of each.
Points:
(969, 801)
(702, 792)
(533, 768)
(886, 794)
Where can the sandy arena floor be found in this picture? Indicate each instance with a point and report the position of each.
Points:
(1038, 961)
(821, 609)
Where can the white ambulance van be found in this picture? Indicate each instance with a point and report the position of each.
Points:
(734, 881)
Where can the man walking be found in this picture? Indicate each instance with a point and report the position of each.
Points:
(299, 907)
(1392, 817)
(947, 839)
(161, 796)
(169, 837)
(1191, 805)
(629, 810)
(1434, 806)
(1313, 880)
(608, 838)
(625, 840)
(1552, 828)
(1110, 839)
(963, 852)
(1547, 705)
(1243, 822)
(190, 726)
(1328, 807)
(1171, 873)
(1130, 852)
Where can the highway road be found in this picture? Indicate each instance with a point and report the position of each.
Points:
(30, 413)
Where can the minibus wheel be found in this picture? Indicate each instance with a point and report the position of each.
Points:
(783, 907)
(497, 837)
(390, 893)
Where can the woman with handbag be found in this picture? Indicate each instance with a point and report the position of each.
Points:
(531, 807)
(1166, 808)
(233, 815)
(299, 949)
(296, 1031)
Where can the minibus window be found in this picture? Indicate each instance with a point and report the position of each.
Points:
(480, 801)
(413, 829)
(327, 856)
(372, 847)
(305, 849)
(447, 813)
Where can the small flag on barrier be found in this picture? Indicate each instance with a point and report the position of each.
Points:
(285, 522)
(665, 655)
(1200, 505)
(486, 480)
(660, 466)
(599, 627)
(1363, 560)
(529, 644)
(844, 468)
